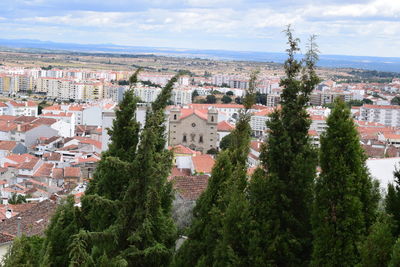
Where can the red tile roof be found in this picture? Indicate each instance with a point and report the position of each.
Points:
(44, 170)
(29, 165)
(7, 145)
(58, 173)
(224, 126)
(5, 238)
(86, 140)
(190, 187)
(264, 112)
(72, 172)
(20, 158)
(256, 145)
(33, 221)
(180, 149)
(203, 163)
(185, 112)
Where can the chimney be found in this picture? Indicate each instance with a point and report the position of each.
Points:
(19, 226)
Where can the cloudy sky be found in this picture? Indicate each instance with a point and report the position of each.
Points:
(346, 27)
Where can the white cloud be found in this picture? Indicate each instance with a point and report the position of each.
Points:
(253, 25)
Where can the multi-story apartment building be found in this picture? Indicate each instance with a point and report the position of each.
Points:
(386, 115)
(27, 108)
(319, 98)
(181, 96)
(258, 122)
(147, 94)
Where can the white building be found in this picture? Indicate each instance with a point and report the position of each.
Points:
(387, 115)
(27, 108)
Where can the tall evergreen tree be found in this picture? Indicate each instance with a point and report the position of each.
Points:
(131, 222)
(395, 256)
(25, 251)
(125, 219)
(344, 193)
(376, 249)
(64, 224)
(281, 205)
(392, 201)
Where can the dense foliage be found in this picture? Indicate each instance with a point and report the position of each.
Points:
(345, 201)
(125, 218)
(281, 192)
(281, 215)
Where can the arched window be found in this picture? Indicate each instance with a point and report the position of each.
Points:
(201, 139)
(174, 116)
(184, 139)
(212, 118)
(192, 137)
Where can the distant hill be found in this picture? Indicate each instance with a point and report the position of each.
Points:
(390, 64)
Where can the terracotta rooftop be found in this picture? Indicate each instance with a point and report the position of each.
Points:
(72, 172)
(86, 140)
(20, 158)
(44, 170)
(25, 119)
(58, 173)
(6, 126)
(224, 126)
(53, 156)
(179, 172)
(203, 163)
(7, 118)
(28, 165)
(180, 149)
(54, 107)
(190, 187)
(5, 238)
(7, 145)
(32, 221)
(381, 106)
(45, 121)
(255, 145)
(264, 112)
(186, 112)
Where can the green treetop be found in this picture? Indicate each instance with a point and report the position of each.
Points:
(281, 205)
(344, 202)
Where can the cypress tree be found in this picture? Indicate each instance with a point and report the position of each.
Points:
(344, 193)
(392, 201)
(64, 224)
(376, 249)
(281, 205)
(125, 217)
(395, 256)
(131, 224)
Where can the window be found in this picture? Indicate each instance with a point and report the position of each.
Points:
(212, 118)
(184, 138)
(201, 139)
(174, 116)
(192, 137)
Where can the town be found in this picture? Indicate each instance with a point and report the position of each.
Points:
(54, 127)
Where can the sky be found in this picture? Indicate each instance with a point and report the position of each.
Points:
(343, 27)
